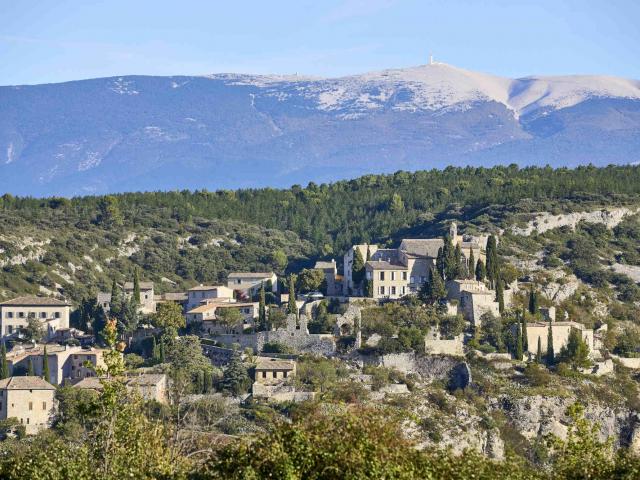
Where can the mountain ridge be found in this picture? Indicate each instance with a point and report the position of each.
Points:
(236, 130)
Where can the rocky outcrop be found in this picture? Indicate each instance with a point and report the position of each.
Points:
(547, 221)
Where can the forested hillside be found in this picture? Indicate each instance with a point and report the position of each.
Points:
(179, 238)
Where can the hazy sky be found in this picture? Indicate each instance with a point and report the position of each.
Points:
(56, 40)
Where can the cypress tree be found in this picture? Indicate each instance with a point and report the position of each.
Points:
(533, 302)
(492, 261)
(481, 271)
(457, 261)
(262, 310)
(539, 352)
(4, 366)
(550, 353)
(368, 288)
(30, 371)
(368, 253)
(500, 295)
(45, 365)
(207, 382)
(292, 308)
(471, 267)
(450, 263)
(440, 263)
(155, 350)
(525, 337)
(519, 347)
(357, 270)
(136, 286)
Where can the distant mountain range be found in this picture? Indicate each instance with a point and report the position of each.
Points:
(232, 131)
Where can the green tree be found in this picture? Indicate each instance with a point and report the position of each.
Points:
(481, 271)
(396, 206)
(277, 318)
(262, 310)
(493, 268)
(519, 347)
(292, 308)
(551, 356)
(440, 262)
(45, 365)
(433, 291)
(168, 317)
(525, 335)
(279, 260)
(136, 286)
(34, 331)
(235, 379)
(533, 302)
(500, 294)
(357, 269)
(30, 371)
(576, 351)
(109, 214)
(4, 366)
(368, 288)
(539, 351)
(310, 280)
(471, 267)
(186, 362)
(229, 316)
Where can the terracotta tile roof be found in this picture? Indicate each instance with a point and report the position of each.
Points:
(25, 383)
(33, 301)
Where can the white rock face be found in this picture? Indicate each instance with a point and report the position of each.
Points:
(547, 221)
(632, 271)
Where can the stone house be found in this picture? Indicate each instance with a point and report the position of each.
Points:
(179, 298)
(207, 315)
(434, 344)
(331, 277)
(196, 296)
(270, 371)
(249, 282)
(474, 304)
(560, 331)
(150, 386)
(28, 399)
(65, 362)
(52, 314)
(401, 271)
(147, 299)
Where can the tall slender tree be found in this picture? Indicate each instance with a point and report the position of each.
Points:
(262, 309)
(30, 370)
(481, 271)
(533, 301)
(539, 351)
(357, 270)
(500, 295)
(292, 308)
(440, 262)
(493, 269)
(136, 286)
(471, 266)
(551, 356)
(45, 365)
(525, 337)
(4, 366)
(519, 347)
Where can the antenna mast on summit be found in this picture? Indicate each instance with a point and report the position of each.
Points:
(430, 58)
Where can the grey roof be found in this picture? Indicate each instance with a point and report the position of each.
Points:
(381, 265)
(171, 296)
(321, 265)
(421, 247)
(90, 383)
(103, 297)
(143, 286)
(33, 301)
(25, 383)
(250, 275)
(274, 364)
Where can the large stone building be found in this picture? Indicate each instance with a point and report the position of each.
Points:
(560, 332)
(30, 400)
(15, 314)
(249, 283)
(150, 386)
(331, 277)
(202, 294)
(65, 362)
(147, 300)
(401, 271)
(208, 315)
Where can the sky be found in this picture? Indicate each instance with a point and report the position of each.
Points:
(43, 41)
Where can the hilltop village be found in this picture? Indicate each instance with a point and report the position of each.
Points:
(416, 312)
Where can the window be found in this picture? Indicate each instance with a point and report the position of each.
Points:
(43, 314)
(393, 290)
(381, 275)
(404, 276)
(9, 314)
(44, 405)
(413, 280)
(20, 314)
(27, 420)
(10, 329)
(404, 290)
(285, 374)
(381, 290)
(264, 374)
(57, 315)
(30, 405)
(393, 275)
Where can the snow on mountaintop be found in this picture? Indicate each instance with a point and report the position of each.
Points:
(439, 86)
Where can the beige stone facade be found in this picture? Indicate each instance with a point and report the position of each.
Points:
(15, 314)
(271, 371)
(202, 294)
(147, 298)
(30, 400)
(560, 331)
(207, 315)
(249, 282)
(65, 362)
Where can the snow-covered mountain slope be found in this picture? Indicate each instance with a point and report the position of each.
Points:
(234, 130)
